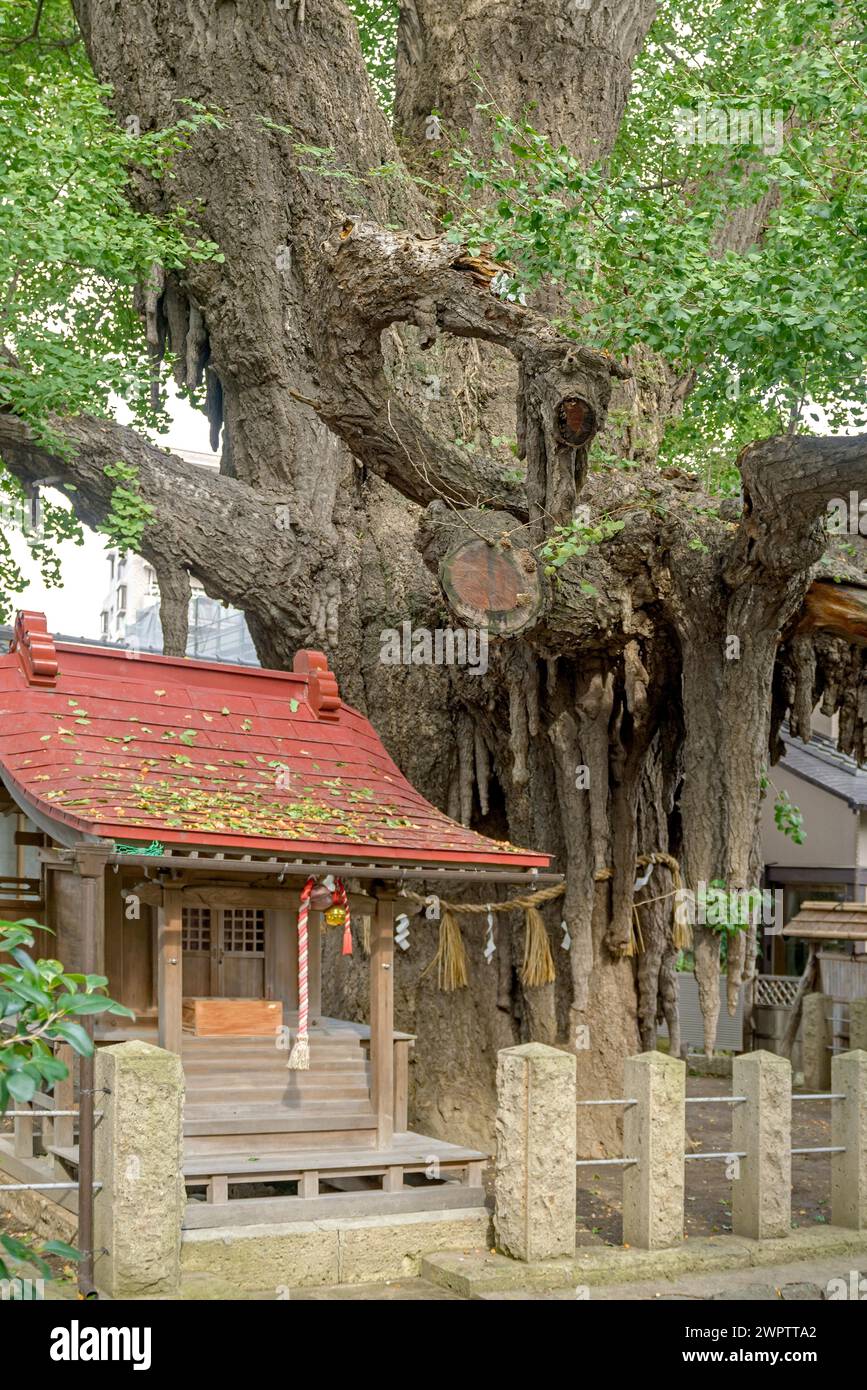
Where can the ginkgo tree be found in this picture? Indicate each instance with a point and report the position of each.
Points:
(573, 291)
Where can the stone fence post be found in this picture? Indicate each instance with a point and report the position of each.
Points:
(138, 1155)
(534, 1216)
(849, 1130)
(816, 1041)
(857, 1026)
(762, 1130)
(653, 1133)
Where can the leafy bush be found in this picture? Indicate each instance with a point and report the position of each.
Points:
(39, 1005)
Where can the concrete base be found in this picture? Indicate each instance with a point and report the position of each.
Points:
(349, 1251)
(474, 1274)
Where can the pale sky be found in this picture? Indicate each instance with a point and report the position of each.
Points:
(74, 608)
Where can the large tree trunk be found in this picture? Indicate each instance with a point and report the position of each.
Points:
(343, 491)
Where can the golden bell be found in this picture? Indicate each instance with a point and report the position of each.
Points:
(335, 916)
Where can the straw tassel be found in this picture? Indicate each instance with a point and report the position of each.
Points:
(450, 959)
(538, 965)
(343, 900)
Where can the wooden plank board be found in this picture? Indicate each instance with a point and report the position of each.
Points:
(208, 1017)
(332, 1160)
(33, 1170)
(825, 906)
(201, 1145)
(338, 1205)
(281, 1123)
(837, 933)
(391, 1175)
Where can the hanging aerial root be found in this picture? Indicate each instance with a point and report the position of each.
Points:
(538, 965)
(451, 958)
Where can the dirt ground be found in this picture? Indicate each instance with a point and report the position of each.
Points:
(708, 1191)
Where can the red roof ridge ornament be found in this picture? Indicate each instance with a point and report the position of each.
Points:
(323, 695)
(35, 647)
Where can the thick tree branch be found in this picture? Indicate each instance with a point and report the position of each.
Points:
(372, 277)
(788, 483)
(217, 529)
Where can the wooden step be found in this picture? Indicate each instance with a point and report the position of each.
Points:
(67, 1156)
(277, 1094)
(256, 1104)
(252, 1122)
(216, 1042)
(237, 1066)
(280, 1081)
(271, 1057)
(216, 1144)
(219, 1050)
(214, 1076)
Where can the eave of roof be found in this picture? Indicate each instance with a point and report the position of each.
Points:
(141, 748)
(820, 763)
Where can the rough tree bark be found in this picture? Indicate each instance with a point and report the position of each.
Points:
(347, 488)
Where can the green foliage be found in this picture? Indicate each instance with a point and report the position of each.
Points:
(73, 249)
(574, 540)
(727, 911)
(767, 333)
(788, 818)
(39, 1004)
(129, 513)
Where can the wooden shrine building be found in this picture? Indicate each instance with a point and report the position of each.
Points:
(180, 810)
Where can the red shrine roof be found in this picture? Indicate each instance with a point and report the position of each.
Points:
(136, 747)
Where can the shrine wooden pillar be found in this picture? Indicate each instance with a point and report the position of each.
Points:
(170, 980)
(382, 1017)
(90, 864)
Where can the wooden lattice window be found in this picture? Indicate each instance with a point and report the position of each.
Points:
(244, 930)
(196, 929)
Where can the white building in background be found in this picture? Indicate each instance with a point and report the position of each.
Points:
(130, 612)
(132, 588)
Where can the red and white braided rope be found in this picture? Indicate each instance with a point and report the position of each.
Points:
(299, 1057)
